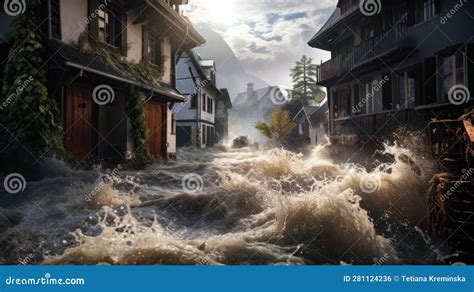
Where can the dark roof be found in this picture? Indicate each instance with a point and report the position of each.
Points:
(70, 56)
(319, 114)
(293, 109)
(335, 17)
(334, 20)
(226, 97)
(196, 59)
(243, 100)
(313, 113)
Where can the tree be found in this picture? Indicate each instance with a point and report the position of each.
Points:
(280, 127)
(305, 87)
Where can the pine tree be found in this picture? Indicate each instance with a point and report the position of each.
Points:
(305, 87)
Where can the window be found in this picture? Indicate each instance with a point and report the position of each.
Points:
(204, 102)
(367, 94)
(110, 25)
(154, 50)
(429, 9)
(356, 109)
(193, 101)
(407, 88)
(341, 103)
(452, 72)
(411, 89)
(210, 104)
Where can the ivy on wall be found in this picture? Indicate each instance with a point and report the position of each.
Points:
(139, 72)
(137, 114)
(30, 115)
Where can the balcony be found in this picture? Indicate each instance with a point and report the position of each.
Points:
(373, 124)
(389, 41)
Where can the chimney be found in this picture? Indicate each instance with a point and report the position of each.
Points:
(250, 90)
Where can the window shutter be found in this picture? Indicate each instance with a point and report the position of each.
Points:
(124, 44)
(94, 21)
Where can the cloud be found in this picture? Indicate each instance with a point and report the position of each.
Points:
(267, 36)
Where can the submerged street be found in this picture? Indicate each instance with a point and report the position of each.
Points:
(225, 206)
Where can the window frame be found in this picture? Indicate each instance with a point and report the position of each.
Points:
(112, 24)
(454, 70)
(204, 102)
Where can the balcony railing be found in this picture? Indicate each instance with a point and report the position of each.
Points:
(373, 124)
(393, 39)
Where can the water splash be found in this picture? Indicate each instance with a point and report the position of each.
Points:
(256, 207)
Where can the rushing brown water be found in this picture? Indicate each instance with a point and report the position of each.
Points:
(224, 206)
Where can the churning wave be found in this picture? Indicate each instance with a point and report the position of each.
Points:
(247, 206)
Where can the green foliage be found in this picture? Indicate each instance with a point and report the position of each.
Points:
(30, 115)
(139, 72)
(280, 127)
(137, 115)
(304, 76)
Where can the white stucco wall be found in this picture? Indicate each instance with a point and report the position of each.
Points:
(170, 132)
(168, 58)
(73, 19)
(134, 38)
(318, 132)
(204, 114)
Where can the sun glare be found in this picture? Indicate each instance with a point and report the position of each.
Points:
(221, 11)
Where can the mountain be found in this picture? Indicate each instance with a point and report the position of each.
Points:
(230, 72)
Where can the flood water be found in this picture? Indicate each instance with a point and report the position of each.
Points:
(225, 206)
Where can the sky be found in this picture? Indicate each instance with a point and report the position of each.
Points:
(267, 36)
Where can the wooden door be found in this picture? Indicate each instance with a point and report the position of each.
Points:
(155, 124)
(79, 123)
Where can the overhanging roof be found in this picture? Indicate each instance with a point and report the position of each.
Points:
(71, 57)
